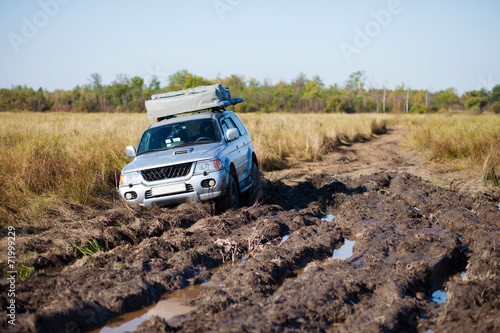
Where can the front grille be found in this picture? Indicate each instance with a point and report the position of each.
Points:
(168, 172)
(189, 188)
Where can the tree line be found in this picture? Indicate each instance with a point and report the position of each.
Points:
(303, 94)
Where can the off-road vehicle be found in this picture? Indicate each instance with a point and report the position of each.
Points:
(205, 155)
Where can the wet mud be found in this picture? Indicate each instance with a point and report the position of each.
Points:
(271, 266)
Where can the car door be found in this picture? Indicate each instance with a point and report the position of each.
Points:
(236, 151)
(245, 147)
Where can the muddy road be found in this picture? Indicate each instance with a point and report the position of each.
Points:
(425, 256)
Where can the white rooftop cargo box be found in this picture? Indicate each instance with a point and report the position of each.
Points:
(189, 100)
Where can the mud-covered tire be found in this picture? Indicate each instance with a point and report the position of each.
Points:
(255, 192)
(232, 197)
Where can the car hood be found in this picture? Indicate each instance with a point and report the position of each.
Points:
(174, 156)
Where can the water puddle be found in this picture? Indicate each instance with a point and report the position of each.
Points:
(242, 262)
(328, 218)
(283, 240)
(345, 251)
(173, 305)
(439, 296)
(417, 210)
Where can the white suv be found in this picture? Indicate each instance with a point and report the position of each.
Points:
(202, 156)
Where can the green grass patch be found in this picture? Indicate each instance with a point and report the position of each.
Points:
(89, 250)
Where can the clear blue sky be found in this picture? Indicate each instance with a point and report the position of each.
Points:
(57, 44)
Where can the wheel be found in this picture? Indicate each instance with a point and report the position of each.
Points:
(255, 192)
(232, 197)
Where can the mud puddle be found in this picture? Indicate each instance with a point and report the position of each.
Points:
(173, 305)
(170, 306)
(284, 239)
(344, 251)
(440, 296)
(329, 217)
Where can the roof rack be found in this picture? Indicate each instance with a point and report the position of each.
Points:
(216, 109)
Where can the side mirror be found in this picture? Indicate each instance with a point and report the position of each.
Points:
(232, 134)
(130, 151)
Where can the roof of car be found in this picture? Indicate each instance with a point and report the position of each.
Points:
(182, 118)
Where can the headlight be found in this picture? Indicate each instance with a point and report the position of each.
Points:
(130, 178)
(207, 166)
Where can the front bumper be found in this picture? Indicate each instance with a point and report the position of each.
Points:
(142, 194)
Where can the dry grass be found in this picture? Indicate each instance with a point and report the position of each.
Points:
(50, 159)
(469, 142)
(281, 139)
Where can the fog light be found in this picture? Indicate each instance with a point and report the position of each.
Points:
(207, 183)
(130, 195)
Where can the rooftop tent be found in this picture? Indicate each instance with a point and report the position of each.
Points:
(189, 100)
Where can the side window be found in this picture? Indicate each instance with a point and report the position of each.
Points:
(224, 126)
(231, 124)
(228, 123)
(239, 124)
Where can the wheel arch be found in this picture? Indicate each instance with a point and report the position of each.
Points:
(254, 159)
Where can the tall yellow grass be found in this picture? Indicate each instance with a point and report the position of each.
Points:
(468, 141)
(281, 139)
(47, 158)
(59, 158)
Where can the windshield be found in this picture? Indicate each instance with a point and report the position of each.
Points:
(179, 134)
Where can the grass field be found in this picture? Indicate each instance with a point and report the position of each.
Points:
(57, 160)
(52, 160)
(281, 139)
(467, 141)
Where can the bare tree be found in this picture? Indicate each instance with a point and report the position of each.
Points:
(407, 98)
(385, 96)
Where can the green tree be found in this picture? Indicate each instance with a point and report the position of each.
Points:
(235, 82)
(476, 103)
(120, 91)
(495, 107)
(312, 94)
(192, 81)
(356, 81)
(136, 88)
(495, 94)
(96, 85)
(445, 99)
(333, 104)
(283, 96)
(418, 108)
(475, 100)
(155, 83)
(177, 80)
